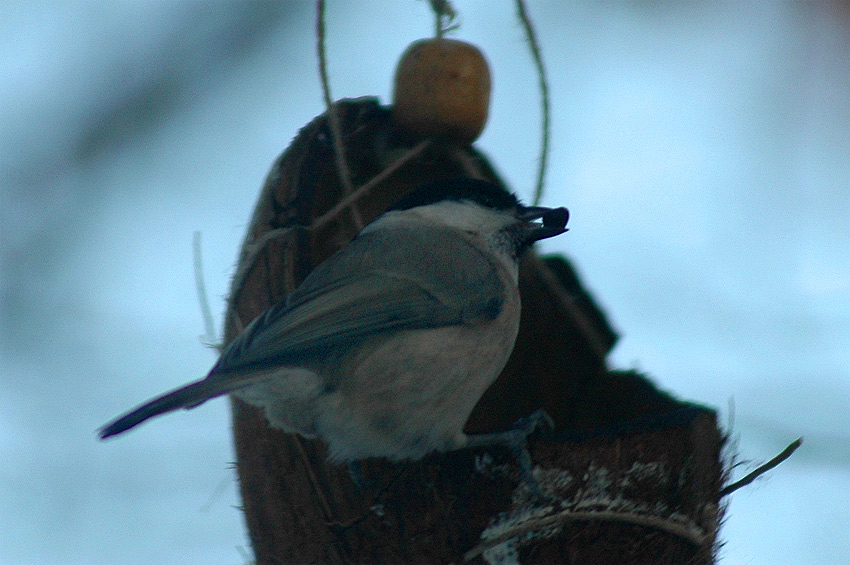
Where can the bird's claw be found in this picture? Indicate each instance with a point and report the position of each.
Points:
(516, 439)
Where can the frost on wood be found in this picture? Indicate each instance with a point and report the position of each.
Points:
(601, 496)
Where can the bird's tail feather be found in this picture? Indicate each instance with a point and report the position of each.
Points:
(188, 396)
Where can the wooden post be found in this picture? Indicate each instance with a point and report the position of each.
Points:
(633, 475)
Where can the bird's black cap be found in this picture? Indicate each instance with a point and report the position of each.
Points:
(462, 188)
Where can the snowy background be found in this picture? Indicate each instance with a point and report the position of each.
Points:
(703, 149)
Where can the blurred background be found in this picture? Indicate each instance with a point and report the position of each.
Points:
(703, 149)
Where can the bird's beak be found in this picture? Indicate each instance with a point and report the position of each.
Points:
(553, 221)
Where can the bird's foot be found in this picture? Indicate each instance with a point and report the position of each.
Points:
(516, 439)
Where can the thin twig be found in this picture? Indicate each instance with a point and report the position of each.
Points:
(444, 15)
(314, 480)
(317, 489)
(782, 456)
(201, 289)
(333, 118)
(366, 188)
(688, 533)
(544, 95)
(438, 18)
(730, 420)
(250, 253)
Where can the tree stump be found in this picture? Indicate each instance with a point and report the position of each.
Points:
(631, 475)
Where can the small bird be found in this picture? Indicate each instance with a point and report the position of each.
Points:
(386, 347)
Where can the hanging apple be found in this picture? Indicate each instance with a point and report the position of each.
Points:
(442, 89)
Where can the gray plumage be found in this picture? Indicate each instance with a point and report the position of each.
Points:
(386, 347)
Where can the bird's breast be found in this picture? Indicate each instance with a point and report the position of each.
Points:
(405, 395)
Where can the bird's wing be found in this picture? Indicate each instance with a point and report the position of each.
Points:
(384, 280)
(381, 281)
